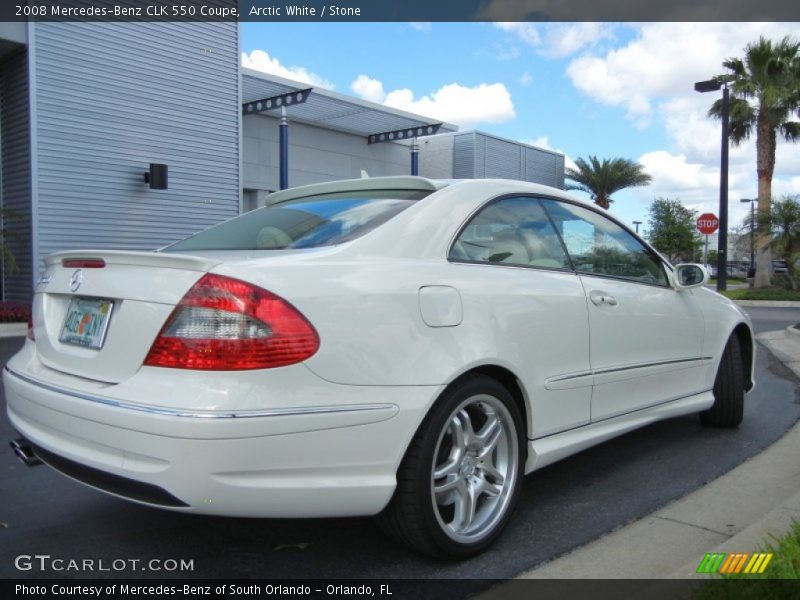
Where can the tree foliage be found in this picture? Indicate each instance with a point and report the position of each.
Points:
(765, 100)
(782, 224)
(672, 229)
(600, 179)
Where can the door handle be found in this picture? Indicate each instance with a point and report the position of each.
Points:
(599, 298)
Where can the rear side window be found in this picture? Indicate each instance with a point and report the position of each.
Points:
(309, 222)
(511, 231)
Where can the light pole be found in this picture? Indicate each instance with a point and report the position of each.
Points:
(713, 85)
(637, 223)
(752, 202)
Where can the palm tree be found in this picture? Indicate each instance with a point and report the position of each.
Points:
(601, 179)
(782, 223)
(765, 96)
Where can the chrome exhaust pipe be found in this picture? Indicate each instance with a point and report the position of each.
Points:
(24, 452)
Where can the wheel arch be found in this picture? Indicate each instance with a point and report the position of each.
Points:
(508, 380)
(747, 346)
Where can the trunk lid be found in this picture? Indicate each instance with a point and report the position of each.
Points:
(119, 307)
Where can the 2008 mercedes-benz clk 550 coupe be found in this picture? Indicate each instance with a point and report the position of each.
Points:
(395, 346)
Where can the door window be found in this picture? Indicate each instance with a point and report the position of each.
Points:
(598, 246)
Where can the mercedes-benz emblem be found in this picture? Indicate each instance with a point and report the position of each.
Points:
(76, 280)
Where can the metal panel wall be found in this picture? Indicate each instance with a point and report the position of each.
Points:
(502, 158)
(436, 156)
(544, 167)
(112, 98)
(315, 154)
(477, 154)
(480, 154)
(16, 176)
(558, 180)
(463, 156)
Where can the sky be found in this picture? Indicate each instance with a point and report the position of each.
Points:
(604, 89)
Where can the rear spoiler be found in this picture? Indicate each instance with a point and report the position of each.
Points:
(397, 182)
(142, 259)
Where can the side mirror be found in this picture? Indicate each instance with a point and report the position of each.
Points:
(688, 277)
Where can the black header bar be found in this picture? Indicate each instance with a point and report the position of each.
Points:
(398, 10)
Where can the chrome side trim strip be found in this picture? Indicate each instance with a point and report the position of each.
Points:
(651, 364)
(570, 376)
(207, 414)
(626, 368)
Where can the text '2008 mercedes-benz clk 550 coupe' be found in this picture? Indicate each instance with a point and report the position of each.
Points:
(396, 346)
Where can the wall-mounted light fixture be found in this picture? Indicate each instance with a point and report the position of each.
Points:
(156, 176)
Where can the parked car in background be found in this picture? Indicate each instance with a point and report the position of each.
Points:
(394, 346)
(780, 266)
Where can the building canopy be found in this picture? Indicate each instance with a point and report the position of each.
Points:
(330, 110)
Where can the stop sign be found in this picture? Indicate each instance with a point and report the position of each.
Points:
(707, 223)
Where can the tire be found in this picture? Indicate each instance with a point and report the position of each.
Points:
(461, 476)
(728, 407)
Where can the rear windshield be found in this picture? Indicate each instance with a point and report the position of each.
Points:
(308, 222)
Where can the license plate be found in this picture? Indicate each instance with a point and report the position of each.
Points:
(86, 322)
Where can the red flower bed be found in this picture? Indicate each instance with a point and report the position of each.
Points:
(14, 312)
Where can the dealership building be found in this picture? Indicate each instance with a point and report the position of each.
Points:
(132, 136)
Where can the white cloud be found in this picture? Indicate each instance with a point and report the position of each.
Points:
(462, 105)
(663, 60)
(564, 39)
(787, 159)
(505, 51)
(651, 78)
(423, 26)
(454, 103)
(673, 175)
(781, 187)
(557, 40)
(527, 32)
(696, 184)
(368, 88)
(262, 61)
(526, 79)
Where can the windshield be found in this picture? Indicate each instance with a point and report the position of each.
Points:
(309, 222)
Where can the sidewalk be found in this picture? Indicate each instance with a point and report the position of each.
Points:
(737, 512)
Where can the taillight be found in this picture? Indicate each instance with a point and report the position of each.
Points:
(224, 324)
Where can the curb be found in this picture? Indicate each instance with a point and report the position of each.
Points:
(740, 511)
(774, 524)
(13, 330)
(772, 303)
(784, 344)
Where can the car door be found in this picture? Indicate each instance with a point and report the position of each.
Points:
(646, 338)
(519, 288)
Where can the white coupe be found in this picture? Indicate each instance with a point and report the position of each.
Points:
(393, 346)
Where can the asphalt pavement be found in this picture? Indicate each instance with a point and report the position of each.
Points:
(741, 511)
(563, 507)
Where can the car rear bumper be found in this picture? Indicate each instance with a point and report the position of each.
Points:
(340, 461)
